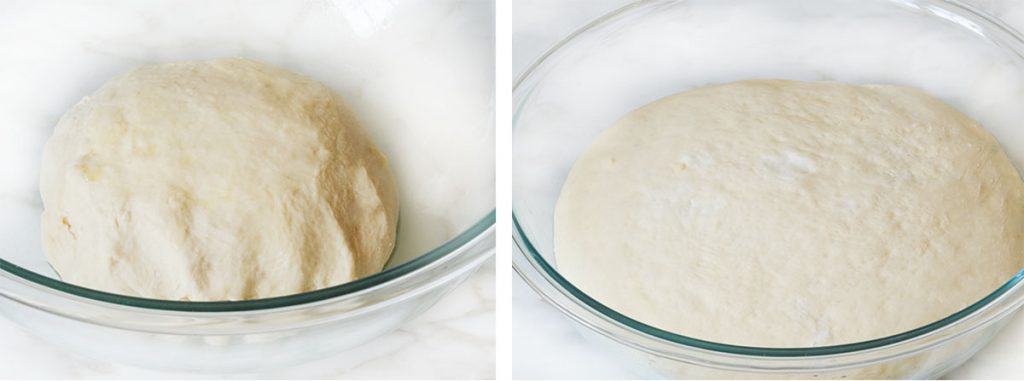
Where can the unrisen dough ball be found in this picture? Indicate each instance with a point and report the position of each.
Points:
(791, 214)
(216, 180)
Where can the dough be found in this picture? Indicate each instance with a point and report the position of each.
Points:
(791, 214)
(216, 180)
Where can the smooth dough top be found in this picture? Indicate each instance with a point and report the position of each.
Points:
(216, 180)
(791, 214)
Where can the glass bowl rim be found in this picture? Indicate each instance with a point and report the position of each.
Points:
(529, 251)
(383, 278)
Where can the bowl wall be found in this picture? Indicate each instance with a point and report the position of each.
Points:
(225, 343)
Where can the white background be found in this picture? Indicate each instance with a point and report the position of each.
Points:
(542, 343)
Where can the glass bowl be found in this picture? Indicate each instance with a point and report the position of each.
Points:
(434, 121)
(651, 49)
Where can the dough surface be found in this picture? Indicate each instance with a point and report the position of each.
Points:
(791, 214)
(214, 180)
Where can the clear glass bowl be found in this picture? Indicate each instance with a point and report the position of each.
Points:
(651, 49)
(434, 120)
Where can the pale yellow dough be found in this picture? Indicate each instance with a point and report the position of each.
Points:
(215, 180)
(791, 214)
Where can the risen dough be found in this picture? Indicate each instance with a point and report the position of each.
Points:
(216, 180)
(791, 214)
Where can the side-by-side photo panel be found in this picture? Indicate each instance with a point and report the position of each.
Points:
(767, 189)
(235, 189)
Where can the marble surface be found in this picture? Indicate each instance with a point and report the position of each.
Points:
(545, 345)
(418, 73)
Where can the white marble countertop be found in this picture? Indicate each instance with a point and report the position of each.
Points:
(452, 340)
(545, 345)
